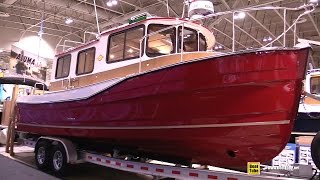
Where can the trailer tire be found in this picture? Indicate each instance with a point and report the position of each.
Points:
(42, 155)
(58, 160)
(315, 150)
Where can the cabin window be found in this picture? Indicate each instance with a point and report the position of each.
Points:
(85, 61)
(315, 85)
(191, 40)
(161, 43)
(125, 45)
(63, 66)
(202, 43)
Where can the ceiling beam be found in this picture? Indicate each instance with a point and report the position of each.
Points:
(170, 8)
(45, 19)
(314, 24)
(21, 29)
(244, 32)
(9, 2)
(47, 12)
(24, 24)
(227, 6)
(38, 19)
(264, 27)
(228, 36)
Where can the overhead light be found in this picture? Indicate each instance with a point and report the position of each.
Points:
(130, 51)
(1, 50)
(109, 3)
(267, 39)
(114, 2)
(218, 47)
(69, 21)
(239, 15)
(111, 56)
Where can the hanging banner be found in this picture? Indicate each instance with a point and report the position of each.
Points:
(23, 64)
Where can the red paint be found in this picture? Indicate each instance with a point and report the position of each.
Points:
(144, 168)
(176, 172)
(212, 177)
(118, 164)
(89, 157)
(232, 178)
(159, 170)
(194, 174)
(98, 159)
(108, 162)
(244, 88)
(130, 166)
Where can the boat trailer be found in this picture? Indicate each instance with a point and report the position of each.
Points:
(159, 171)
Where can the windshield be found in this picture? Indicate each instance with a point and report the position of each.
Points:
(315, 85)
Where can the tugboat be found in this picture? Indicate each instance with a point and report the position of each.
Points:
(156, 88)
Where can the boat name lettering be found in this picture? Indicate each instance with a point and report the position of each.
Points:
(28, 60)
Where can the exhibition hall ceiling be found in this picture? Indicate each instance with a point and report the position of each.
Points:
(70, 19)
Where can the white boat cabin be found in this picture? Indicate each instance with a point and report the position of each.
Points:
(117, 52)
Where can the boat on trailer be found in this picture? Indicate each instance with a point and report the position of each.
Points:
(135, 89)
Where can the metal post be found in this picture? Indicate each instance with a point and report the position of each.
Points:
(233, 33)
(284, 27)
(198, 41)
(140, 54)
(182, 39)
(95, 10)
(294, 34)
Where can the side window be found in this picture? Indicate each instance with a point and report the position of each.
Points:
(85, 62)
(125, 45)
(63, 66)
(161, 43)
(190, 40)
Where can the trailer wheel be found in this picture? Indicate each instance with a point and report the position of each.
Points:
(315, 150)
(58, 160)
(42, 155)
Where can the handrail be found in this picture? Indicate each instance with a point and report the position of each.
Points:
(307, 7)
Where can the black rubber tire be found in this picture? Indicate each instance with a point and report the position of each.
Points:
(42, 145)
(58, 170)
(315, 150)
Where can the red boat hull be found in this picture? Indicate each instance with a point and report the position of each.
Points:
(223, 111)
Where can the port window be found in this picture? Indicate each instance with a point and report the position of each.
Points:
(63, 66)
(161, 43)
(315, 85)
(85, 62)
(125, 45)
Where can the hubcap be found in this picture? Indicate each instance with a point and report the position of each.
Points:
(57, 160)
(41, 156)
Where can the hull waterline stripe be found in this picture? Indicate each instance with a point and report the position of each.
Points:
(166, 127)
